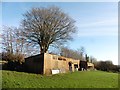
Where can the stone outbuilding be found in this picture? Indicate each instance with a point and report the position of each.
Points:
(50, 64)
(46, 63)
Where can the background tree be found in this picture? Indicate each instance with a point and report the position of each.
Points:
(87, 58)
(14, 42)
(8, 39)
(105, 65)
(70, 53)
(92, 59)
(14, 47)
(81, 51)
(47, 26)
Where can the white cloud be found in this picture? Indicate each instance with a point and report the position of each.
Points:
(109, 22)
(99, 28)
(98, 32)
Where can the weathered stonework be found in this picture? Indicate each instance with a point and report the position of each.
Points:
(45, 63)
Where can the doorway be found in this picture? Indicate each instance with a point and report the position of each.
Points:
(70, 66)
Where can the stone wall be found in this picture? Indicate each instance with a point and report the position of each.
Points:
(51, 62)
(90, 66)
(45, 63)
(54, 62)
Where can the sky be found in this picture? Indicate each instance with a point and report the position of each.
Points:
(96, 22)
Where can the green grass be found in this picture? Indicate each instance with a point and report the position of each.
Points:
(85, 79)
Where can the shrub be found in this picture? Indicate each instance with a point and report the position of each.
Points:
(107, 66)
(17, 57)
(15, 61)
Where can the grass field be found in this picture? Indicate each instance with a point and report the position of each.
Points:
(84, 79)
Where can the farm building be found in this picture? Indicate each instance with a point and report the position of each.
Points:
(50, 64)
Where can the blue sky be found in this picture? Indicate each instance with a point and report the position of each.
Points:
(97, 24)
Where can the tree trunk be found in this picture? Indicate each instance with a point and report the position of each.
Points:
(43, 49)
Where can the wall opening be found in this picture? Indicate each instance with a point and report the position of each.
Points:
(70, 66)
(76, 67)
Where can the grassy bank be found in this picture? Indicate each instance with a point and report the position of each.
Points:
(86, 79)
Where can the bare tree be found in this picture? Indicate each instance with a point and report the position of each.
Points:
(14, 42)
(93, 60)
(86, 57)
(47, 26)
(70, 53)
(8, 39)
(81, 51)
